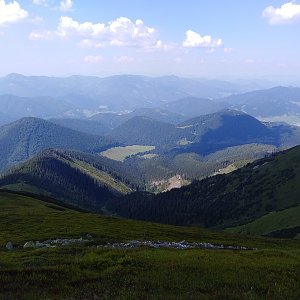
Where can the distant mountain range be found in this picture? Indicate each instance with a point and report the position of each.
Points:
(194, 107)
(112, 120)
(123, 92)
(276, 101)
(114, 100)
(82, 125)
(16, 107)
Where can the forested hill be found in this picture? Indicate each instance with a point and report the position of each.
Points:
(76, 178)
(203, 135)
(28, 136)
(146, 131)
(267, 185)
(226, 128)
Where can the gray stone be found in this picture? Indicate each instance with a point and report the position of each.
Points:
(9, 246)
(29, 244)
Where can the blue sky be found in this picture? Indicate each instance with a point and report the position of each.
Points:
(195, 38)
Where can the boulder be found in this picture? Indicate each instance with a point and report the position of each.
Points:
(9, 246)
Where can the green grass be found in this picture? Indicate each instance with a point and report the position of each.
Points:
(233, 167)
(24, 218)
(21, 186)
(274, 221)
(102, 177)
(87, 272)
(121, 153)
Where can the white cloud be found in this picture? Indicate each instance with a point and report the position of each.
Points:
(195, 40)
(11, 12)
(123, 59)
(286, 13)
(88, 43)
(66, 5)
(40, 2)
(93, 59)
(38, 36)
(121, 32)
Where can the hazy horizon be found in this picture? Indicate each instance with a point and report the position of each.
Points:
(267, 82)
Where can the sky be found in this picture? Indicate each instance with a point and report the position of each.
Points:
(224, 39)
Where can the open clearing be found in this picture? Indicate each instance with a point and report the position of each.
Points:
(121, 153)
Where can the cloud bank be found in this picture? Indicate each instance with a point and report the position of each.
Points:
(11, 12)
(286, 13)
(121, 32)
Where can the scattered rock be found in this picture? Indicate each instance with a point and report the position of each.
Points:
(54, 243)
(29, 244)
(9, 246)
(174, 245)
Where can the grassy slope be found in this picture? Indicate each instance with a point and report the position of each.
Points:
(51, 173)
(274, 221)
(102, 177)
(82, 272)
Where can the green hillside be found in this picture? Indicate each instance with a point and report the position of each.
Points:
(85, 271)
(284, 223)
(243, 196)
(146, 131)
(223, 129)
(77, 178)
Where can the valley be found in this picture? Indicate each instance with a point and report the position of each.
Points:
(195, 189)
(149, 150)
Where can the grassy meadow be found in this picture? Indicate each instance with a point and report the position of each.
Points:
(87, 272)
